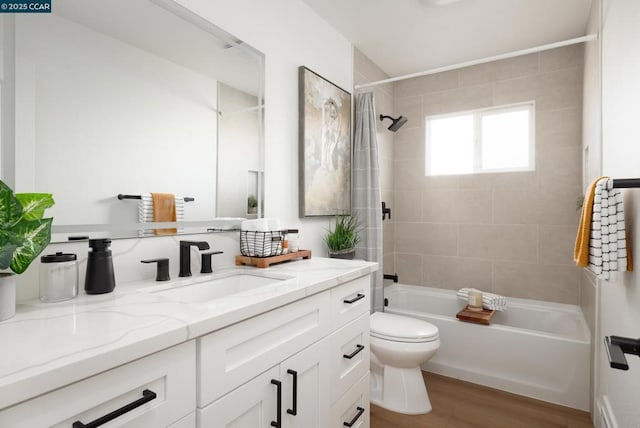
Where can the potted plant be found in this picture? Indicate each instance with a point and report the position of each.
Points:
(252, 205)
(24, 234)
(342, 240)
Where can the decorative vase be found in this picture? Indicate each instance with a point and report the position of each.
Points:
(7, 295)
(348, 254)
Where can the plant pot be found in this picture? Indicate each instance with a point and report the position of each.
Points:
(7, 295)
(348, 254)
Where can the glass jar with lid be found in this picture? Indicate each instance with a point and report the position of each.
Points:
(58, 277)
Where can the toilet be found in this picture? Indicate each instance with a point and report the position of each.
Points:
(399, 345)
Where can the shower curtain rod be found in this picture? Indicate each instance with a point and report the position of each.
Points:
(554, 45)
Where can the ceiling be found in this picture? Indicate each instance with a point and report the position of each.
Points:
(409, 36)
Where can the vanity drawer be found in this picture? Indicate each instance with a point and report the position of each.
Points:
(350, 300)
(169, 374)
(229, 357)
(353, 406)
(349, 354)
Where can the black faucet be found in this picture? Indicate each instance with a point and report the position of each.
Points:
(185, 255)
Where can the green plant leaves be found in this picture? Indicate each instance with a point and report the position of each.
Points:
(36, 235)
(10, 207)
(34, 204)
(344, 236)
(23, 232)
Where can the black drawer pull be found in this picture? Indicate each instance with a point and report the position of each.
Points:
(354, 353)
(355, 419)
(359, 296)
(294, 403)
(278, 422)
(147, 395)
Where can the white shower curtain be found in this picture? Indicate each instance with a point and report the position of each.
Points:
(366, 192)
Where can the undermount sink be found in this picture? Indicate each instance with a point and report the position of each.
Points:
(201, 290)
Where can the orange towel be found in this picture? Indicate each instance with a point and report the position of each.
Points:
(164, 210)
(581, 249)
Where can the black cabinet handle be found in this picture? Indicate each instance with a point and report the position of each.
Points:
(355, 419)
(294, 403)
(354, 353)
(147, 395)
(278, 422)
(355, 299)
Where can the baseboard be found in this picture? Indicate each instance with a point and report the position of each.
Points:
(604, 417)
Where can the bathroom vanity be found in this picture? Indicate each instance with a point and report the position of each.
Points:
(292, 353)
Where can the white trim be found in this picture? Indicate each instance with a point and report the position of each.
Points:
(521, 52)
(605, 417)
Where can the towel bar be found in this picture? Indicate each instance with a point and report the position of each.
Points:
(122, 196)
(626, 183)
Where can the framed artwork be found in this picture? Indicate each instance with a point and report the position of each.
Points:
(324, 146)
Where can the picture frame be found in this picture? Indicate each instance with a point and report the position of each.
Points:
(324, 153)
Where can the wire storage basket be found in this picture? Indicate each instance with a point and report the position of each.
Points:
(261, 244)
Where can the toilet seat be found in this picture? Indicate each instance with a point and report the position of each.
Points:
(398, 328)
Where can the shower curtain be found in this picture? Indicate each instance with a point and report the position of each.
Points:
(366, 192)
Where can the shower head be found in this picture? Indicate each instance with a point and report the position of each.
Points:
(396, 124)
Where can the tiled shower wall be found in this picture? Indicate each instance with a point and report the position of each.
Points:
(508, 233)
(366, 71)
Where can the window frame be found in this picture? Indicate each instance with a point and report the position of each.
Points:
(478, 114)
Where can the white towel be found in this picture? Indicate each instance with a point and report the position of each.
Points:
(493, 302)
(261, 225)
(607, 243)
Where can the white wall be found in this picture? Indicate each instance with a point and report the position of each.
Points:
(620, 300)
(92, 106)
(290, 34)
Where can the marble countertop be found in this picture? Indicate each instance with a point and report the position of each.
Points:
(49, 345)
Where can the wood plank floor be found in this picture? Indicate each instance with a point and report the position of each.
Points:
(458, 404)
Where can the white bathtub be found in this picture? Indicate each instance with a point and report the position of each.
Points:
(537, 349)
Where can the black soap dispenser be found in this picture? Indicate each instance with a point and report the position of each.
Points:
(100, 278)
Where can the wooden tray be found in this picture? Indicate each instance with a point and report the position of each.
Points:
(264, 262)
(483, 317)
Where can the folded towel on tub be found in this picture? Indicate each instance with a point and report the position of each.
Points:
(493, 302)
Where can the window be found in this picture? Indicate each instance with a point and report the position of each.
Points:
(498, 139)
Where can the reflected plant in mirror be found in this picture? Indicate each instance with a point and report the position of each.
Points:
(173, 106)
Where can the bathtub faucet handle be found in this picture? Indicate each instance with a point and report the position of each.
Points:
(617, 346)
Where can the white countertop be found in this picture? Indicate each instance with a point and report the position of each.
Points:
(49, 345)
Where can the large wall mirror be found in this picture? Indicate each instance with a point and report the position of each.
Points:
(133, 97)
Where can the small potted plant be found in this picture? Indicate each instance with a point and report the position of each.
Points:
(252, 205)
(24, 234)
(342, 240)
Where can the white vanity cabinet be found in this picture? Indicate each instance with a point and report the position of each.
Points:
(314, 351)
(155, 391)
(304, 364)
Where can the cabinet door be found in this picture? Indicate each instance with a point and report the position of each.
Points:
(229, 357)
(305, 382)
(253, 405)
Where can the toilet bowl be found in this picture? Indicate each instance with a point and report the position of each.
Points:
(399, 345)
